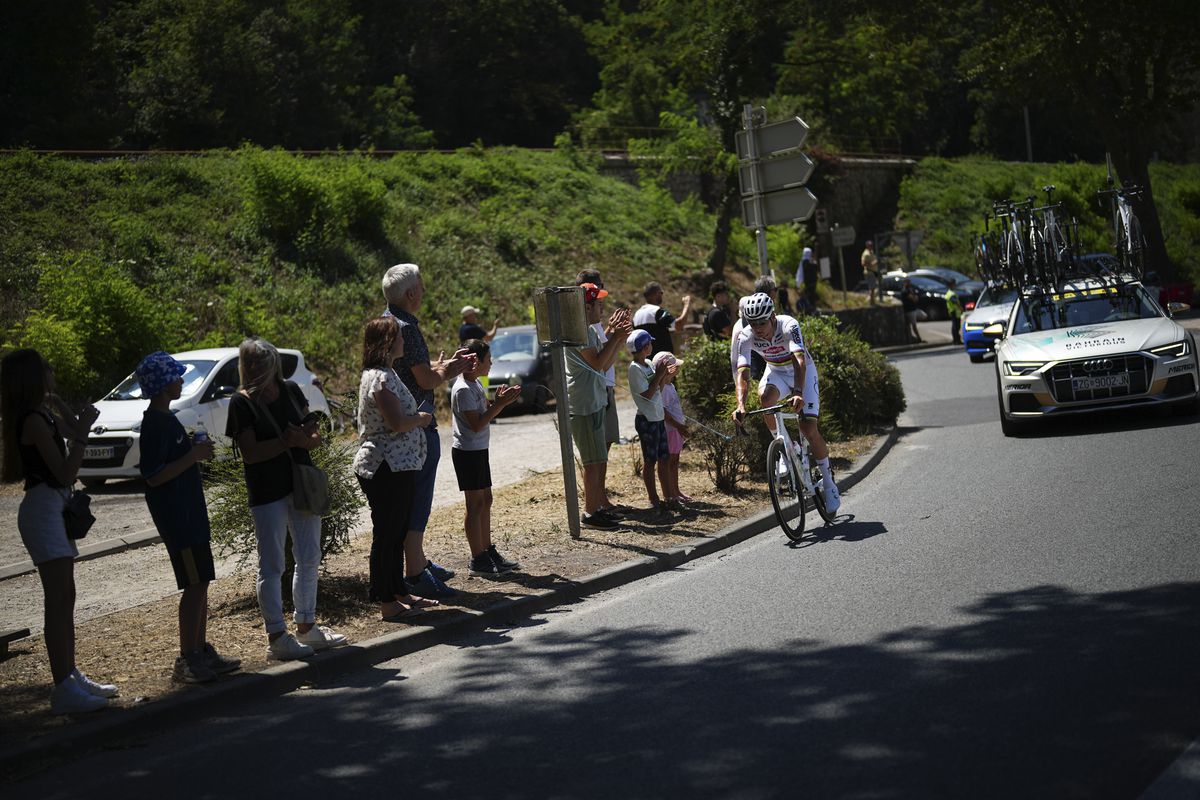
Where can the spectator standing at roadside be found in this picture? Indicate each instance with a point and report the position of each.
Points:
(390, 455)
(270, 426)
(586, 395)
(175, 497)
(656, 320)
(404, 290)
(908, 299)
(677, 431)
(954, 311)
(718, 322)
(34, 451)
(808, 273)
(471, 329)
(646, 380)
(473, 415)
(612, 425)
(870, 265)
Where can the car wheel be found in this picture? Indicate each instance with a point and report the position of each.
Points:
(93, 483)
(976, 358)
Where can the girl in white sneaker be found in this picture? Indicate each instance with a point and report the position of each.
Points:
(34, 451)
(267, 419)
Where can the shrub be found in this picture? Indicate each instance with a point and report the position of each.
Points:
(95, 324)
(229, 505)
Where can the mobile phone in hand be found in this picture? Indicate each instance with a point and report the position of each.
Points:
(311, 417)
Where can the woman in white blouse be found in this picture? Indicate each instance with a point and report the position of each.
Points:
(391, 451)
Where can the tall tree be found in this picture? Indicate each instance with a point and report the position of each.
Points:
(697, 59)
(1124, 67)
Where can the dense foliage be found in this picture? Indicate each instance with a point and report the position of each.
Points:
(103, 262)
(947, 199)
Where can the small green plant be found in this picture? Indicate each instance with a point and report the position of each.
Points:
(229, 505)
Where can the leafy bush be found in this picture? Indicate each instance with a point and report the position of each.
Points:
(95, 324)
(229, 505)
(859, 388)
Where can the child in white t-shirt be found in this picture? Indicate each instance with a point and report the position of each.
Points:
(677, 431)
(645, 384)
(472, 416)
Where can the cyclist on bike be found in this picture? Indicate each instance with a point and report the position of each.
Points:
(777, 338)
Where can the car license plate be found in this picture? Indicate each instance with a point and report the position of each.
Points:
(1091, 384)
(95, 452)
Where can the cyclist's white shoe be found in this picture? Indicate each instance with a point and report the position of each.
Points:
(833, 498)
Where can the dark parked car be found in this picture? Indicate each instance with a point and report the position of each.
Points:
(968, 290)
(519, 360)
(931, 293)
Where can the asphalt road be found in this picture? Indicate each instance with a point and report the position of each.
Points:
(999, 618)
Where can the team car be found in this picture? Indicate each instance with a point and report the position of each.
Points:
(113, 449)
(1090, 343)
(984, 324)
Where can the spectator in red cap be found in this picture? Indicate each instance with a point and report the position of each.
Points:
(587, 397)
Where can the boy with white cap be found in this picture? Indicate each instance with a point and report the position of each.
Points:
(645, 384)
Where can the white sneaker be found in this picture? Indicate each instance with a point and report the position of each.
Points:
(833, 498)
(286, 648)
(69, 697)
(319, 637)
(93, 688)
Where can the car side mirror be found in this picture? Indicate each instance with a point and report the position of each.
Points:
(1177, 308)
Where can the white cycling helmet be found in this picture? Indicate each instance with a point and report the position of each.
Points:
(757, 308)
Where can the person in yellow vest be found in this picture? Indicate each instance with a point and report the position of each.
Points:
(954, 311)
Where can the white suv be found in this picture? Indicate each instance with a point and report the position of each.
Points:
(1089, 344)
(211, 378)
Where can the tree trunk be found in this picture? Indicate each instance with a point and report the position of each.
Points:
(726, 211)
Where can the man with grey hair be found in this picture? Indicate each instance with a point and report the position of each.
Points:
(403, 290)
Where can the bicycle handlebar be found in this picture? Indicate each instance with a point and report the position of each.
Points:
(767, 410)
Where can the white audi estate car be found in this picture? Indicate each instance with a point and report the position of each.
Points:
(1091, 344)
(212, 377)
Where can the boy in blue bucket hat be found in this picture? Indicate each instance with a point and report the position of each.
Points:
(175, 497)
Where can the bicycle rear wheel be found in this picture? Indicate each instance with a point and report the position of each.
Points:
(787, 492)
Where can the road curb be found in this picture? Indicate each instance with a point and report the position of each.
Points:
(117, 544)
(105, 729)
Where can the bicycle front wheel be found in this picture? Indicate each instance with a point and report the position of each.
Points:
(787, 492)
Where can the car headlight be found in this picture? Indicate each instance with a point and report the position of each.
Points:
(136, 427)
(973, 327)
(996, 329)
(1023, 367)
(1180, 348)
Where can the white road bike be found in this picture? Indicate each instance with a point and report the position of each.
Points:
(793, 476)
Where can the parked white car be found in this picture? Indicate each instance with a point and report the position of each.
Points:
(1091, 344)
(211, 378)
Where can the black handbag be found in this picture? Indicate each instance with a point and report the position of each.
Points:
(77, 514)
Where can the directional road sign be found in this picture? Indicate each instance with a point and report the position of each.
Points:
(843, 236)
(773, 139)
(781, 172)
(789, 205)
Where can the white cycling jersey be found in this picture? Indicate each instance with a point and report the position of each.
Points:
(777, 351)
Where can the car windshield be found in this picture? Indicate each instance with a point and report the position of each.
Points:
(514, 346)
(196, 372)
(996, 296)
(929, 284)
(1068, 309)
(947, 273)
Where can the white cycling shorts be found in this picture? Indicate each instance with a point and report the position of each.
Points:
(784, 378)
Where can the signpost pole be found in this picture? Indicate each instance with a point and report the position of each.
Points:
(562, 406)
(760, 232)
(841, 270)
